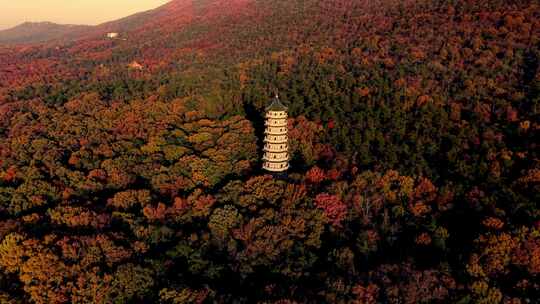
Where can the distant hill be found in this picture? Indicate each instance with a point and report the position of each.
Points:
(168, 19)
(37, 32)
(42, 32)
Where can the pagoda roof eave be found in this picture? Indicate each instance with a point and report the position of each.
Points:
(276, 106)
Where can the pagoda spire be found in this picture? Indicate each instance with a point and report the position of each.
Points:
(276, 144)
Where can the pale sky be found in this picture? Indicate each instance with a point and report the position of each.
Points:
(14, 12)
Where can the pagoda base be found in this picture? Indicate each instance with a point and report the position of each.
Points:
(276, 170)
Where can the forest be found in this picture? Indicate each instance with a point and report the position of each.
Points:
(413, 132)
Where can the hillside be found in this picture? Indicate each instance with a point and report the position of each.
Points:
(413, 135)
(38, 32)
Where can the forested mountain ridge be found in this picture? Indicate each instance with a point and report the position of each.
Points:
(39, 32)
(415, 175)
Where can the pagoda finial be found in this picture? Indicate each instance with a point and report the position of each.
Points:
(276, 104)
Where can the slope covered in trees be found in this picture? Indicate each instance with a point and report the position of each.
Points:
(414, 135)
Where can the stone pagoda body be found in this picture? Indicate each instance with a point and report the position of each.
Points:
(276, 147)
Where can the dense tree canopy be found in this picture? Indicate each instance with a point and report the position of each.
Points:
(415, 175)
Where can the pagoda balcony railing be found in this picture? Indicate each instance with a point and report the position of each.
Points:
(276, 154)
(276, 149)
(276, 142)
(276, 160)
(273, 116)
(278, 133)
(278, 138)
(270, 154)
(276, 125)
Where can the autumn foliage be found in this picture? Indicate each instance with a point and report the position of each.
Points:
(413, 136)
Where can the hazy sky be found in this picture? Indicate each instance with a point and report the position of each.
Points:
(14, 12)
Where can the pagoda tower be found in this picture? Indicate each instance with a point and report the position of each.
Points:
(276, 147)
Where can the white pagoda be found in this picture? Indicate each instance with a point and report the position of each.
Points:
(276, 147)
